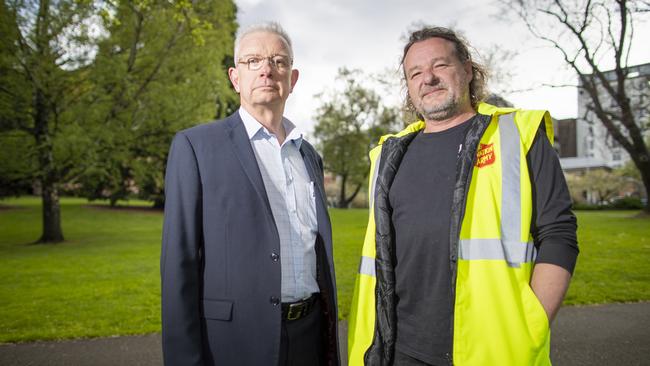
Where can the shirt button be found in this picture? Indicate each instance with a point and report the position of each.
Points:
(275, 257)
(274, 300)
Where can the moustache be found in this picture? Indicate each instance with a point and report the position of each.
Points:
(426, 89)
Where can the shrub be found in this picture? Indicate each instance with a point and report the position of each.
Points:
(627, 203)
(587, 206)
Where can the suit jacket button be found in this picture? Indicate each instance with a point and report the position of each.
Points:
(274, 300)
(275, 257)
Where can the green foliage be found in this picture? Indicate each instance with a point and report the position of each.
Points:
(629, 170)
(349, 123)
(623, 203)
(597, 189)
(15, 172)
(587, 207)
(101, 87)
(601, 184)
(142, 95)
(627, 203)
(45, 47)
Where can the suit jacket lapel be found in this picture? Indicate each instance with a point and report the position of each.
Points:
(244, 152)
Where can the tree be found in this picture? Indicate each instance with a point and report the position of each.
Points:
(101, 87)
(586, 33)
(348, 123)
(596, 185)
(155, 75)
(43, 54)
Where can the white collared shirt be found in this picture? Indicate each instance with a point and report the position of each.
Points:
(292, 198)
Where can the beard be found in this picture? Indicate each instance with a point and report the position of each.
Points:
(445, 109)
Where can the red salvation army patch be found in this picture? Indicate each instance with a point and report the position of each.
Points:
(485, 155)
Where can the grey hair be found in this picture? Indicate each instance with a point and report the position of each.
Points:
(265, 27)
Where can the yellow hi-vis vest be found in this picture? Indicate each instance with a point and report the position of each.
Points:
(498, 320)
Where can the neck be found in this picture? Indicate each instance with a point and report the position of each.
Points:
(269, 117)
(447, 123)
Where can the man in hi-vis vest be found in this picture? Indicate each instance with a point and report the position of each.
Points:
(471, 242)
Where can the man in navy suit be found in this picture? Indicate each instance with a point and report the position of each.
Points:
(246, 264)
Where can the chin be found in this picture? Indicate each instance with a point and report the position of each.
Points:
(268, 101)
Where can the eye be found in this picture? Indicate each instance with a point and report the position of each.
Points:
(440, 65)
(415, 74)
(281, 61)
(253, 61)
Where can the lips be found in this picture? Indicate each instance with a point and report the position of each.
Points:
(430, 91)
(266, 86)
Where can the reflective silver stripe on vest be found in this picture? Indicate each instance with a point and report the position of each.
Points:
(371, 195)
(509, 247)
(367, 266)
(513, 252)
(510, 180)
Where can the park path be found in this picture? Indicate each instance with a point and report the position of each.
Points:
(613, 334)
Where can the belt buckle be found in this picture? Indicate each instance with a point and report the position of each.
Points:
(295, 311)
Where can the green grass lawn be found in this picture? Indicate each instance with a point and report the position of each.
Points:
(104, 279)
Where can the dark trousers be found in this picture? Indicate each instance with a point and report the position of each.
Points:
(301, 342)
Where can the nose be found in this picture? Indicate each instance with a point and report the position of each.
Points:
(429, 77)
(266, 68)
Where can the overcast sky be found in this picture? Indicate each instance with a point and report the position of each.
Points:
(370, 35)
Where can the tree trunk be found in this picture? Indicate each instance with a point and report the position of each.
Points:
(159, 203)
(52, 232)
(349, 200)
(344, 200)
(341, 203)
(644, 168)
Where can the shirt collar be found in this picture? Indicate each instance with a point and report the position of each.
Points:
(253, 128)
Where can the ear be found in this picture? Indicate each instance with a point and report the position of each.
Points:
(233, 75)
(294, 78)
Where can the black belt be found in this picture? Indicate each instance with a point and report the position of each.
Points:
(298, 309)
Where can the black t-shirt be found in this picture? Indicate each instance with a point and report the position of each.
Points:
(421, 198)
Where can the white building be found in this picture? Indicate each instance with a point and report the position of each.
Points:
(594, 145)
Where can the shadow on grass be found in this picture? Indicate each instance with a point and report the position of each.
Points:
(643, 215)
(4, 207)
(145, 209)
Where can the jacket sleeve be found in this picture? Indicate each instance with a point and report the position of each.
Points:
(181, 257)
(554, 225)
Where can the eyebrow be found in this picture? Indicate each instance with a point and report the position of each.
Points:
(432, 61)
(251, 55)
(259, 55)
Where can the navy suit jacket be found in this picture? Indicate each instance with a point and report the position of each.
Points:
(219, 269)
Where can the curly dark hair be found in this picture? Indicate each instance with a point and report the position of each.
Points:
(477, 87)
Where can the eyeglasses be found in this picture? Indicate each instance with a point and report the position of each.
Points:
(279, 62)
